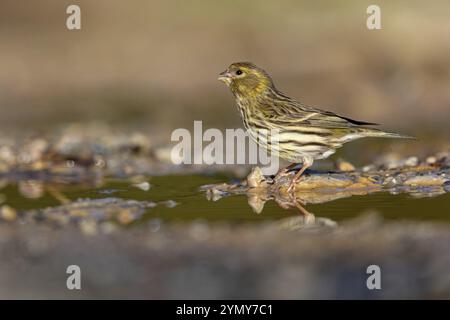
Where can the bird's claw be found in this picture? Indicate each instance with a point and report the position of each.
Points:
(280, 174)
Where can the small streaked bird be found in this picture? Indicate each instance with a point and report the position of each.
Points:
(304, 133)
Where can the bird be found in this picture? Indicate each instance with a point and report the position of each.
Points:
(304, 133)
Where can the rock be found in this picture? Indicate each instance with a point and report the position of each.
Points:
(411, 162)
(345, 166)
(144, 186)
(447, 186)
(87, 212)
(170, 203)
(140, 142)
(33, 151)
(88, 227)
(125, 217)
(7, 213)
(323, 182)
(7, 155)
(431, 160)
(368, 168)
(426, 180)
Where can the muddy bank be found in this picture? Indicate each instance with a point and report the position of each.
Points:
(219, 261)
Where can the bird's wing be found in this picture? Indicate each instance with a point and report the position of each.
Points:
(298, 113)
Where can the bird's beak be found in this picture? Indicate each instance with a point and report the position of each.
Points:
(225, 76)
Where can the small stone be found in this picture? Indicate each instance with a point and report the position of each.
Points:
(163, 154)
(88, 227)
(7, 213)
(392, 165)
(390, 182)
(107, 227)
(125, 217)
(141, 140)
(39, 165)
(412, 162)
(36, 149)
(426, 180)
(364, 182)
(323, 182)
(368, 168)
(447, 186)
(70, 164)
(431, 160)
(144, 186)
(129, 170)
(170, 203)
(78, 213)
(100, 163)
(7, 155)
(345, 166)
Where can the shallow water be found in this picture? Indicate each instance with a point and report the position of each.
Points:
(182, 200)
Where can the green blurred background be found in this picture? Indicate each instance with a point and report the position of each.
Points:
(154, 64)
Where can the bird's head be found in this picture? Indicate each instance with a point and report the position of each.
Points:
(246, 79)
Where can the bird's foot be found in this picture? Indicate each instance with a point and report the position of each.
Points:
(280, 174)
(284, 171)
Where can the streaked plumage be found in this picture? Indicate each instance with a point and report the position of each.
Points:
(305, 133)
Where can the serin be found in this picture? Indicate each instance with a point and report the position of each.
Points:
(304, 133)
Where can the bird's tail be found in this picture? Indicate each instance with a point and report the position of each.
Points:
(370, 132)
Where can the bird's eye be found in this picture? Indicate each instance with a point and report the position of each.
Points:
(239, 72)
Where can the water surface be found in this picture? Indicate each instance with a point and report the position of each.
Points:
(182, 200)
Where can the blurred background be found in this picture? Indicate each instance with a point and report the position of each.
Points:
(154, 64)
(80, 107)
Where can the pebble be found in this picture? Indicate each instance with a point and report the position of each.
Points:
(88, 227)
(170, 203)
(411, 162)
(107, 227)
(447, 186)
(324, 181)
(426, 180)
(125, 217)
(431, 160)
(144, 186)
(345, 166)
(7, 213)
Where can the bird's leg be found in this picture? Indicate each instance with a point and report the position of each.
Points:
(306, 164)
(308, 217)
(284, 170)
